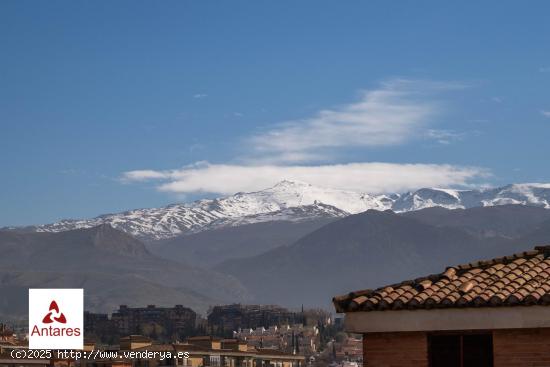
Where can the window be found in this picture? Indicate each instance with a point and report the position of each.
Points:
(460, 350)
(215, 361)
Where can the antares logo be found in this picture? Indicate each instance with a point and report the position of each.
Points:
(48, 318)
(56, 318)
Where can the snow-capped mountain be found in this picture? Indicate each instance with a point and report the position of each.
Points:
(296, 201)
(280, 202)
(293, 214)
(534, 194)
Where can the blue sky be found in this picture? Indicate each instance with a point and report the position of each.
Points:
(107, 106)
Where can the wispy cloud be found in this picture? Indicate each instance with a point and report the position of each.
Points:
(444, 136)
(545, 113)
(394, 113)
(373, 177)
(200, 95)
(544, 69)
(143, 175)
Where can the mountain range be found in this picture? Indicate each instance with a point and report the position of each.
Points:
(281, 201)
(113, 268)
(372, 248)
(291, 244)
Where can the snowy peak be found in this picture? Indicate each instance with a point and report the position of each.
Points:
(425, 198)
(522, 194)
(291, 184)
(297, 201)
(288, 194)
(536, 194)
(292, 214)
(288, 200)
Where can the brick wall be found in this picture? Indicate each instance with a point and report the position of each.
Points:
(511, 348)
(522, 347)
(395, 350)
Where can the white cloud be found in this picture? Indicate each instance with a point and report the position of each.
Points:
(390, 115)
(396, 112)
(200, 95)
(544, 69)
(142, 175)
(444, 136)
(545, 113)
(366, 177)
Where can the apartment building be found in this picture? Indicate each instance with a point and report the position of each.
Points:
(223, 320)
(203, 351)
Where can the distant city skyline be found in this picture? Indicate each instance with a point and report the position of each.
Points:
(107, 107)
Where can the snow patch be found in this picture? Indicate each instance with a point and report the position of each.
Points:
(297, 201)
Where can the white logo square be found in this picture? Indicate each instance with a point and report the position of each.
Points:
(56, 318)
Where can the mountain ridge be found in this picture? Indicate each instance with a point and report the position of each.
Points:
(267, 205)
(359, 251)
(111, 265)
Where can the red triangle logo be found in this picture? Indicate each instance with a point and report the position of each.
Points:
(59, 316)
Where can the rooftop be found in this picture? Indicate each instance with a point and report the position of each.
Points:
(136, 338)
(521, 279)
(156, 348)
(204, 338)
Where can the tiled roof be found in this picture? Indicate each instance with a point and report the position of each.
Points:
(520, 279)
(190, 347)
(204, 338)
(156, 348)
(136, 338)
(271, 352)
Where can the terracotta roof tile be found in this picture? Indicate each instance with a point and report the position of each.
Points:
(519, 279)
